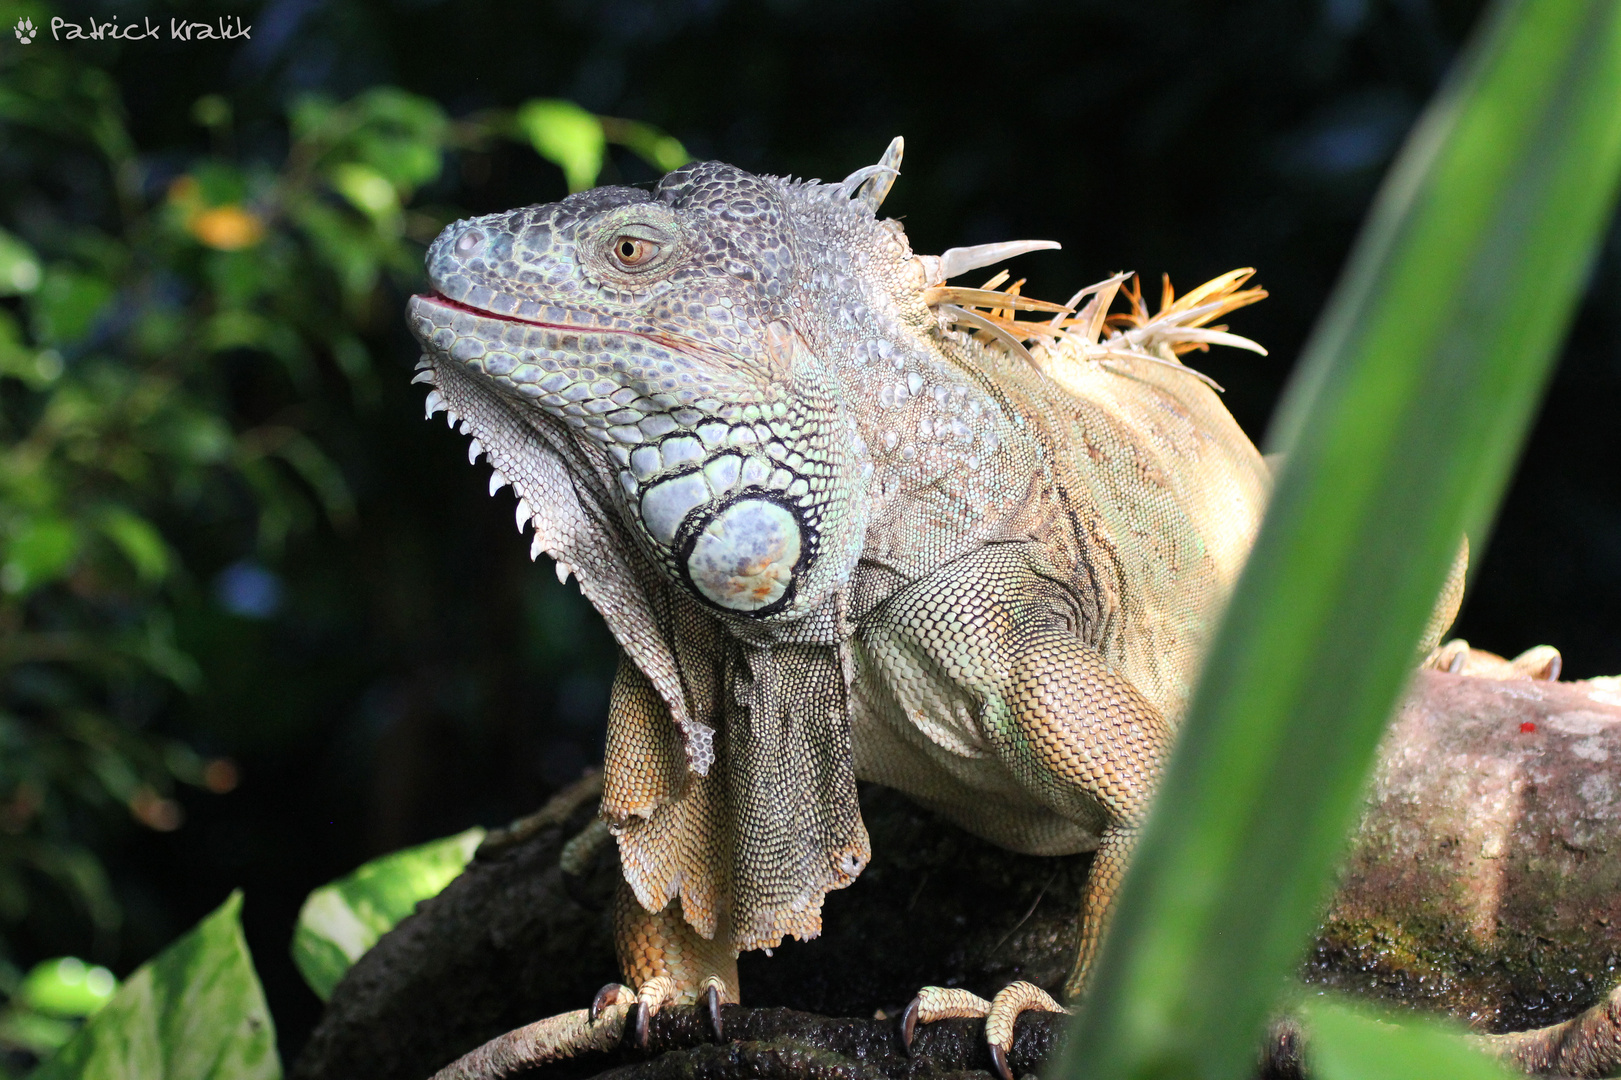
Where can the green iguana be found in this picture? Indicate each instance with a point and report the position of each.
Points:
(847, 522)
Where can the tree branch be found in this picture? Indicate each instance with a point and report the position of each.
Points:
(1477, 886)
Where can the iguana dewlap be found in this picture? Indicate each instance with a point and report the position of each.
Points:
(845, 525)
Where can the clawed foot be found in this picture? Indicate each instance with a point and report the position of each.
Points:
(1541, 663)
(1001, 1013)
(617, 1014)
(644, 1004)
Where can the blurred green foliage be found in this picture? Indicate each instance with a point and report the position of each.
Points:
(1348, 1042)
(50, 1003)
(340, 921)
(193, 1012)
(131, 319)
(66, 986)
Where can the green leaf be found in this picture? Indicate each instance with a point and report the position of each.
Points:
(1400, 428)
(139, 540)
(220, 183)
(238, 329)
(394, 133)
(38, 1034)
(658, 149)
(401, 135)
(567, 136)
(343, 244)
(1345, 1043)
(212, 111)
(40, 551)
(66, 986)
(67, 304)
(368, 190)
(75, 870)
(340, 921)
(36, 367)
(354, 360)
(242, 276)
(200, 438)
(19, 266)
(313, 118)
(194, 1012)
(153, 641)
(322, 474)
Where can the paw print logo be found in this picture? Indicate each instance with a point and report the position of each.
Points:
(24, 30)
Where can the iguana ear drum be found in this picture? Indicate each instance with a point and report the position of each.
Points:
(745, 557)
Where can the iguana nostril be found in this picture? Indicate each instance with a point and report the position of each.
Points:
(468, 242)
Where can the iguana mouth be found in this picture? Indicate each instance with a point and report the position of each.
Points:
(674, 342)
(438, 298)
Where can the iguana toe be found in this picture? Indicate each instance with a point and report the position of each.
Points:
(709, 1006)
(611, 994)
(1001, 1013)
(937, 1003)
(657, 992)
(1009, 1002)
(999, 1061)
(1541, 663)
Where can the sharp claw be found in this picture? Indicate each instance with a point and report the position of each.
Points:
(711, 1005)
(999, 1059)
(636, 1023)
(909, 1022)
(608, 995)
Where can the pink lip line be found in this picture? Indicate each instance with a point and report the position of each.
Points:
(677, 344)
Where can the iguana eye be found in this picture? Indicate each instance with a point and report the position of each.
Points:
(634, 252)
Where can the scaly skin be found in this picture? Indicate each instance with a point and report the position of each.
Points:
(837, 538)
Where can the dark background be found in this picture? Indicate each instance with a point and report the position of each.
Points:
(420, 676)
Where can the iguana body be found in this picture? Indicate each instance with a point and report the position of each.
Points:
(843, 528)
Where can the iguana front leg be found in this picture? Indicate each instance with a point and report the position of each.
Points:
(1056, 726)
(669, 962)
(663, 955)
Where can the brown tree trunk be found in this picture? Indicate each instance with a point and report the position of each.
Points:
(1483, 881)
(1479, 885)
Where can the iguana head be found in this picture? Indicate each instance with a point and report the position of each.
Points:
(684, 337)
(706, 347)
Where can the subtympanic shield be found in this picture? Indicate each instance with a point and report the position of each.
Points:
(744, 558)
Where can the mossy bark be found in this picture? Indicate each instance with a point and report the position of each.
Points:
(1483, 880)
